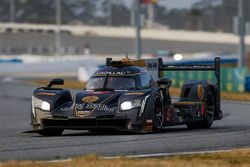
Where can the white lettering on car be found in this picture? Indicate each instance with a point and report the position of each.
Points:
(110, 73)
(94, 106)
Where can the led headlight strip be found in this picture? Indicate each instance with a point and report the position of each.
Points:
(33, 106)
(143, 105)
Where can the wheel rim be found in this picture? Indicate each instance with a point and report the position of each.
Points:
(158, 113)
(210, 106)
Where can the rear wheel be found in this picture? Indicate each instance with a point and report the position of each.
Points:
(210, 108)
(209, 113)
(51, 132)
(158, 114)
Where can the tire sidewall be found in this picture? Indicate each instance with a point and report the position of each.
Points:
(155, 128)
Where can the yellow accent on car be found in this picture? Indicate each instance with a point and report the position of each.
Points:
(148, 127)
(90, 99)
(130, 62)
(200, 91)
(187, 103)
(46, 93)
(134, 93)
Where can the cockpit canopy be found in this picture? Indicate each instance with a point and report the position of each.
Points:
(120, 78)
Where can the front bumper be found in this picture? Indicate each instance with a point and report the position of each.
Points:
(86, 123)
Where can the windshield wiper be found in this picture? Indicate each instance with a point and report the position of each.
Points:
(104, 89)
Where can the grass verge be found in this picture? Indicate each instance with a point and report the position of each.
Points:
(73, 84)
(237, 158)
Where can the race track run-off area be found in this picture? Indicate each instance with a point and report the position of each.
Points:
(233, 131)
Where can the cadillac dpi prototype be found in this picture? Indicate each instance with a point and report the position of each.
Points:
(128, 95)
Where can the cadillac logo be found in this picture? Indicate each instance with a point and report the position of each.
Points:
(90, 99)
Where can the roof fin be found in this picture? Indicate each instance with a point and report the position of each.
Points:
(126, 55)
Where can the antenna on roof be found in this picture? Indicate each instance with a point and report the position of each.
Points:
(126, 53)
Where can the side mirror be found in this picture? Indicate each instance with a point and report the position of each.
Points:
(164, 81)
(56, 81)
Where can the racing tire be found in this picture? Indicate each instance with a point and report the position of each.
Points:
(158, 114)
(51, 132)
(209, 112)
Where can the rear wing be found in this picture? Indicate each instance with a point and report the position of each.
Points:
(155, 66)
(196, 67)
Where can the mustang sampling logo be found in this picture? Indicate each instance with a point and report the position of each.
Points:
(85, 109)
(90, 99)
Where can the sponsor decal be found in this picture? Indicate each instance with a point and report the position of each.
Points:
(90, 99)
(94, 106)
(115, 73)
(152, 65)
(111, 73)
(83, 112)
(65, 109)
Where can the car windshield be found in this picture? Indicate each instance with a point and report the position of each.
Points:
(111, 83)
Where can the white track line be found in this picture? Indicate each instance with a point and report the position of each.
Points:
(56, 161)
(168, 154)
(147, 155)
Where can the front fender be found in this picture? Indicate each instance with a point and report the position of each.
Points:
(55, 97)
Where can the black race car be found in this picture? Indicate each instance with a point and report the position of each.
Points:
(127, 95)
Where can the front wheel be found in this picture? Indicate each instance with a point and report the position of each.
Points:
(158, 114)
(51, 132)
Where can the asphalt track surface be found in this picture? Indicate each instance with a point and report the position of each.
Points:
(108, 45)
(15, 99)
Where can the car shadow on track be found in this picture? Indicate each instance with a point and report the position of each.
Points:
(119, 133)
(168, 130)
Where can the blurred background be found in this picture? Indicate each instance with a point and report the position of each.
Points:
(72, 38)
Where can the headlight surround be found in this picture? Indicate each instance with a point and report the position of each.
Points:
(41, 104)
(128, 105)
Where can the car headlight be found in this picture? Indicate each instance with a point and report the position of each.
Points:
(45, 106)
(128, 105)
(41, 104)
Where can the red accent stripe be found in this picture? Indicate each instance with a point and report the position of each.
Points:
(101, 92)
(203, 109)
